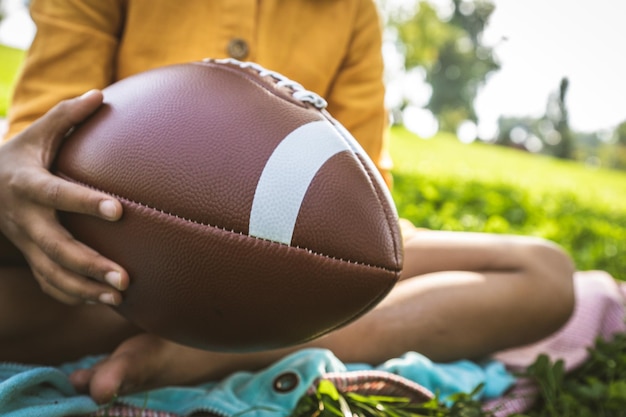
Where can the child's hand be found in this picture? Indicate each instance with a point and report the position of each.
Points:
(30, 196)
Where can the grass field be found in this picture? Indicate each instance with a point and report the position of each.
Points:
(443, 184)
(445, 157)
(11, 59)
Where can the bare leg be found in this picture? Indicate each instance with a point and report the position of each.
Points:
(35, 328)
(462, 296)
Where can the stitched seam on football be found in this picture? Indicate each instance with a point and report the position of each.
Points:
(196, 222)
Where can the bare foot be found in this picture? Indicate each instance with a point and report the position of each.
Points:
(139, 363)
(147, 361)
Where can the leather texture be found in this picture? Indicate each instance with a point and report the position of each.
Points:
(183, 147)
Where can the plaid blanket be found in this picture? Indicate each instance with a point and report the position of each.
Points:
(599, 312)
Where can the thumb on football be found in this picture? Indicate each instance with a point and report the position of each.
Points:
(49, 131)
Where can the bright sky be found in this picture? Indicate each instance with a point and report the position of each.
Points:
(549, 39)
(16, 29)
(545, 40)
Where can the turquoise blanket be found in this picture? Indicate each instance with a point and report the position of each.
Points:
(27, 390)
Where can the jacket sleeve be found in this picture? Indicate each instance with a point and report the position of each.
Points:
(73, 51)
(357, 96)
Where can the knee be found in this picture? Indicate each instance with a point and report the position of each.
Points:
(552, 272)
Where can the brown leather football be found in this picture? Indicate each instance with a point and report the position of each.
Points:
(252, 219)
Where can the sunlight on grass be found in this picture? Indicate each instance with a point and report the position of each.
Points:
(443, 184)
(11, 59)
(445, 157)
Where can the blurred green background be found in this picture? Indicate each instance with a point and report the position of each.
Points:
(443, 184)
(11, 59)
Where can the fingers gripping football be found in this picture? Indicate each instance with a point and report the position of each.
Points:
(30, 197)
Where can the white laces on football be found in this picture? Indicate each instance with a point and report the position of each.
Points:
(299, 92)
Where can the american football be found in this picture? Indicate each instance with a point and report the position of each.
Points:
(252, 219)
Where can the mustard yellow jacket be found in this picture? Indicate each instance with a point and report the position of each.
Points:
(332, 47)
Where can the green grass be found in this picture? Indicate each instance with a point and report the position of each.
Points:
(445, 157)
(596, 389)
(11, 59)
(443, 184)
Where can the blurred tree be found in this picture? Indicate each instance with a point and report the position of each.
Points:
(616, 149)
(452, 53)
(549, 134)
(620, 133)
(421, 34)
(557, 114)
(519, 133)
(463, 65)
